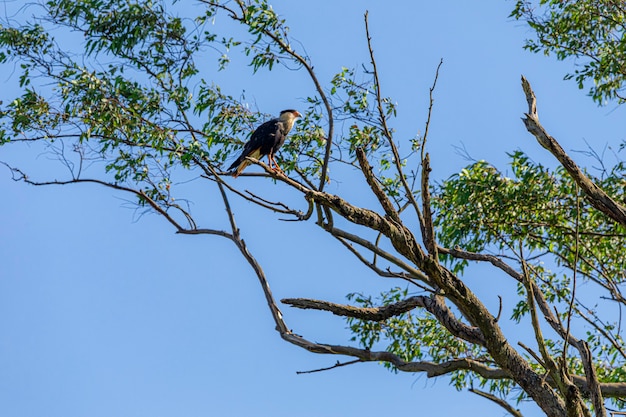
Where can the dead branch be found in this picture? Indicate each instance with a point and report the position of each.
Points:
(337, 365)
(546, 359)
(481, 257)
(401, 237)
(428, 228)
(433, 305)
(430, 368)
(386, 131)
(591, 378)
(375, 186)
(595, 195)
(377, 251)
(239, 242)
(372, 265)
(19, 175)
(508, 407)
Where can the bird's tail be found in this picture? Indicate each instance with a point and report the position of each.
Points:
(241, 163)
(235, 166)
(239, 169)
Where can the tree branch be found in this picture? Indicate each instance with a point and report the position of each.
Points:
(481, 257)
(337, 365)
(401, 237)
(387, 133)
(377, 251)
(140, 193)
(375, 186)
(508, 407)
(591, 379)
(430, 368)
(596, 196)
(433, 305)
(428, 228)
(372, 265)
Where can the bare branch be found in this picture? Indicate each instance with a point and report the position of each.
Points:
(412, 272)
(386, 274)
(337, 365)
(559, 374)
(591, 378)
(481, 257)
(431, 103)
(375, 186)
(21, 176)
(582, 346)
(202, 231)
(276, 313)
(387, 133)
(433, 305)
(508, 407)
(428, 228)
(430, 368)
(401, 237)
(595, 195)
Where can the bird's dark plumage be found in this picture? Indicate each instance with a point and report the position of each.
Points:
(266, 140)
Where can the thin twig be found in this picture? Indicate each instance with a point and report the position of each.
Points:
(428, 229)
(508, 407)
(386, 132)
(337, 365)
(574, 276)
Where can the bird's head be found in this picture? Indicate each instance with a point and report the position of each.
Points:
(289, 117)
(290, 113)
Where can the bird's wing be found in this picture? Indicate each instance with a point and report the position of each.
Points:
(264, 137)
(279, 140)
(261, 142)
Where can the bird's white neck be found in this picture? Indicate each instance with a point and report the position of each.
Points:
(287, 119)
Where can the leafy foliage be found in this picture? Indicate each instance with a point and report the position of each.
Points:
(537, 210)
(591, 31)
(539, 219)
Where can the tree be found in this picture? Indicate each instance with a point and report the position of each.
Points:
(135, 115)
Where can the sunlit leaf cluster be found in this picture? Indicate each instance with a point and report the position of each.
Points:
(590, 31)
(542, 210)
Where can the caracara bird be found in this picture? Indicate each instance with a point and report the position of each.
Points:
(266, 140)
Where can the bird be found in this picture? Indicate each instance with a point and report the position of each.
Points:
(266, 140)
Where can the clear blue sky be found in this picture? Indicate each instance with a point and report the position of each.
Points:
(106, 314)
